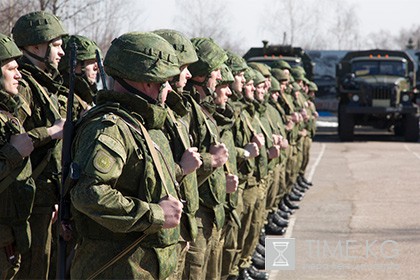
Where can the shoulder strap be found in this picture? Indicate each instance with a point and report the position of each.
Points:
(185, 143)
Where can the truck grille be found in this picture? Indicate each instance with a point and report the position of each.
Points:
(381, 93)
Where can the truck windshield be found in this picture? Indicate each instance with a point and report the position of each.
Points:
(375, 67)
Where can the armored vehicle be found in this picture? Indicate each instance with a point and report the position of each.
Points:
(377, 88)
(270, 53)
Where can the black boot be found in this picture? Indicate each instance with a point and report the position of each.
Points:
(278, 220)
(244, 275)
(262, 238)
(260, 249)
(293, 197)
(283, 214)
(256, 274)
(283, 207)
(258, 260)
(289, 204)
(273, 229)
(306, 181)
(301, 183)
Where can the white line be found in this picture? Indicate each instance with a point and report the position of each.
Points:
(414, 153)
(292, 219)
(321, 153)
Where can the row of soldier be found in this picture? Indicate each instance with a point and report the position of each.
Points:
(185, 164)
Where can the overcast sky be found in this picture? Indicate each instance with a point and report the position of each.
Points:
(374, 16)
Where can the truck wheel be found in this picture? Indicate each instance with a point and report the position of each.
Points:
(345, 125)
(411, 125)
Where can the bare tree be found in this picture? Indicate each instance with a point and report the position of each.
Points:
(100, 20)
(345, 26)
(203, 18)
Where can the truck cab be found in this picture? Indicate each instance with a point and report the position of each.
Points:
(377, 88)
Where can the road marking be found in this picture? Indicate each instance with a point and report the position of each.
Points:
(414, 153)
(292, 219)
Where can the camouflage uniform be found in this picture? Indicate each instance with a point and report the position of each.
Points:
(46, 97)
(17, 188)
(212, 182)
(179, 138)
(86, 50)
(256, 181)
(116, 199)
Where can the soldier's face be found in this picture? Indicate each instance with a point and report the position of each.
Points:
(213, 78)
(184, 76)
(9, 80)
(91, 70)
(222, 94)
(249, 90)
(239, 82)
(260, 91)
(56, 52)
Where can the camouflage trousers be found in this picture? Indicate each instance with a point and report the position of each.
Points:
(273, 189)
(292, 166)
(231, 254)
(307, 142)
(252, 221)
(36, 262)
(197, 260)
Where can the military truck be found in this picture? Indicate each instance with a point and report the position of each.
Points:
(377, 88)
(270, 53)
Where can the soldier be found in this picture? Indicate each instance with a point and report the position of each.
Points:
(225, 118)
(180, 141)
(126, 202)
(249, 130)
(86, 67)
(211, 178)
(17, 188)
(39, 34)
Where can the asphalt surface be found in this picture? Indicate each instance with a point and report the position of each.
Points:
(360, 220)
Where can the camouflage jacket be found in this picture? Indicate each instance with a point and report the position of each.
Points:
(204, 132)
(276, 123)
(17, 187)
(117, 195)
(179, 143)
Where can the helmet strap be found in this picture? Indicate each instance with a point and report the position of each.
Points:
(132, 89)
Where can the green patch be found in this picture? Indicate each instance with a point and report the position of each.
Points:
(103, 162)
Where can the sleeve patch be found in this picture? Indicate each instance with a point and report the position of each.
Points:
(103, 162)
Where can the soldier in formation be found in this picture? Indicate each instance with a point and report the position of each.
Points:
(183, 166)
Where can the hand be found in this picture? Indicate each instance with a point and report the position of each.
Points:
(316, 115)
(232, 182)
(219, 154)
(284, 144)
(277, 139)
(295, 117)
(304, 114)
(22, 143)
(303, 132)
(253, 149)
(274, 152)
(172, 209)
(290, 124)
(56, 131)
(190, 160)
(258, 139)
(54, 215)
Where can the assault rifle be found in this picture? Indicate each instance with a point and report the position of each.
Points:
(69, 173)
(101, 69)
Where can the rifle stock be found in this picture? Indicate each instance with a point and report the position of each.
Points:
(64, 230)
(101, 69)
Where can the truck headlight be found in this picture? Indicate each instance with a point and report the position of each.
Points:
(355, 98)
(405, 98)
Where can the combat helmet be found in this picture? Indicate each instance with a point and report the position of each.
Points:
(236, 63)
(279, 74)
(8, 49)
(275, 85)
(182, 45)
(227, 76)
(141, 57)
(210, 57)
(86, 50)
(281, 64)
(312, 86)
(264, 69)
(37, 28)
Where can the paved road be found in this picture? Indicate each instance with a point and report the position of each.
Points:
(361, 220)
